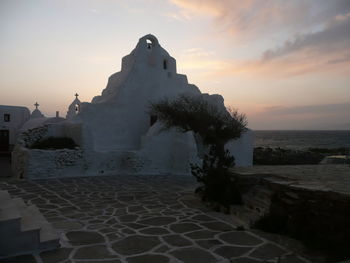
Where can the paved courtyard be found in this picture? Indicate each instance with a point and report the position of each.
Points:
(135, 219)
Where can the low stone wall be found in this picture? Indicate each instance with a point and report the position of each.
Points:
(40, 164)
(306, 211)
(320, 219)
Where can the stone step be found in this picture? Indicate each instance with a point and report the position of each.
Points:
(31, 219)
(19, 203)
(10, 217)
(4, 195)
(25, 228)
(20, 243)
(9, 212)
(4, 198)
(49, 237)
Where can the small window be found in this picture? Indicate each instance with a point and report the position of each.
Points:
(6, 117)
(165, 64)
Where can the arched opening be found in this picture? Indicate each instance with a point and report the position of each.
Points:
(77, 108)
(165, 64)
(149, 43)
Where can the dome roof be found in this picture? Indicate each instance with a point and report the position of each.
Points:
(36, 114)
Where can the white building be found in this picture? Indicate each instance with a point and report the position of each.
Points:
(11, 120)
(115, 131)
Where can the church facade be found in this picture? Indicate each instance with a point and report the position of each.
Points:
(115, 131)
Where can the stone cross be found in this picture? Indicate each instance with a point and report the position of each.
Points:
(36, 105)
(76, 95)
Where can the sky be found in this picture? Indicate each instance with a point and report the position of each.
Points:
(285, 64)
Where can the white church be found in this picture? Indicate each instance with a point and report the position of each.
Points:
(115, 132)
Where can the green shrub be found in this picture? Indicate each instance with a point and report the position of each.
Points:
(54, 143)
(215, 127)
(217, 181)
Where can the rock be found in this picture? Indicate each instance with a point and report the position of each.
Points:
(268, 251)
(201, 234)
(190, 255)
(231, 251)
(84, 237)
(55, 256)
(203, 218)
(209, 243)
(148, 258)
(177, 241)
(158, 221)
(154, 231)
(135, 244)
(240, 238)
(93, 252)
(67, 225)
(184, 227)
(218, 226)
(245, 260)
(128, 218)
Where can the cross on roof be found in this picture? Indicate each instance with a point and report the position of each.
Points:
(76, 95)
(36, 105)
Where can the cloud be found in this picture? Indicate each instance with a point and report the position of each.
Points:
(321, 51)
(252, 16)
(201, 60)
(335, 37)
(327, 50)
(257, 17)
(320, 42)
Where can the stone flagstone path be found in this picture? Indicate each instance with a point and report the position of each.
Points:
(137, 219)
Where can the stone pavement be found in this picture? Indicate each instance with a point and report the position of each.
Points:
(135, 219)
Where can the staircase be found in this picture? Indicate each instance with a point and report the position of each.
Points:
(23, 229)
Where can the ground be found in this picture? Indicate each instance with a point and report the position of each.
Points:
(138, 219)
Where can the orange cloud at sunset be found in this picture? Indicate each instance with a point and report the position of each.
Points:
(247, 16)
(322, 50)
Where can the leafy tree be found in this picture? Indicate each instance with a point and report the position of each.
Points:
(216, 127)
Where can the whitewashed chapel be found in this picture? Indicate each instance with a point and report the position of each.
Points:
(115, 132)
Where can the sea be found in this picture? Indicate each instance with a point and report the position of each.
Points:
(301, 139)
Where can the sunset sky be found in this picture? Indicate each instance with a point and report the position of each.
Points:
(286, 64)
